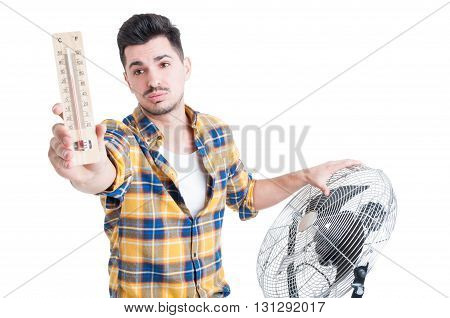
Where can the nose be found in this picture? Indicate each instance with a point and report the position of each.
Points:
(153, 80)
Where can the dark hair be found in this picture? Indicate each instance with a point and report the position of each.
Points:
(141, 28)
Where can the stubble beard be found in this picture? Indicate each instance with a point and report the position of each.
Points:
(163, 110)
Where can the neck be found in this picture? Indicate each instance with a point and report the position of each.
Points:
(176, 128)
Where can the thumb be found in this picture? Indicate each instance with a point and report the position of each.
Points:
(100, 130)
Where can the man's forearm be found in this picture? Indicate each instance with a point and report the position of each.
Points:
(99, 182)
(268, 192)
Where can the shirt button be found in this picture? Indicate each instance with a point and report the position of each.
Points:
(195, 254)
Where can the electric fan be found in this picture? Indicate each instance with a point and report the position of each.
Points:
(323, 246)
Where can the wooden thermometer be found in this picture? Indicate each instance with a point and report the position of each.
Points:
(75, 96)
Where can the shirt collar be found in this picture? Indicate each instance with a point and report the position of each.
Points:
(150, 132)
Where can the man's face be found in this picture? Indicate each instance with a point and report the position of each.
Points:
(155, 68)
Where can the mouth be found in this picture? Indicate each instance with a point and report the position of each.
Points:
(156, 97)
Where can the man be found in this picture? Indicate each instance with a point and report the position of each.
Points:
(164, 230)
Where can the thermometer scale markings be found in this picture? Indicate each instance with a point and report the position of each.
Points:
(74, 91)
(72, 79)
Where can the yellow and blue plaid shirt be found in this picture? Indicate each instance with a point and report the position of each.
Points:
(157, 248)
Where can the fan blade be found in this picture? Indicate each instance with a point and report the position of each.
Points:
(292, 282)
(338, 197)
(325, 206)
(341, 243)
(372, 215)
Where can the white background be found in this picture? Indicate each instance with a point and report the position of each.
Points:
(251, 60)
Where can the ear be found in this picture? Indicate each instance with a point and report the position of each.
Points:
(187, 68)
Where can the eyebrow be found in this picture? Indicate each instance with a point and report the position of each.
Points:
(156, 59)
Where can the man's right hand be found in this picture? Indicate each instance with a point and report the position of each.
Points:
(61, 154)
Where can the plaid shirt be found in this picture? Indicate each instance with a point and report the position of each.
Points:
(157, 248)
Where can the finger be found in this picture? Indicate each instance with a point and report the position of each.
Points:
(325, 190)
(57, 109)
(58, 162)
(62, 133)
(346, 163)
(61, 150)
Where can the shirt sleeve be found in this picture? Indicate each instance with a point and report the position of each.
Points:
(118, 152)
(240, 186)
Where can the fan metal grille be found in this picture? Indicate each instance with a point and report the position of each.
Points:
(352, 223)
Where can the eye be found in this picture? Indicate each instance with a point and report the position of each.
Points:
(165, 64)
(137, 72)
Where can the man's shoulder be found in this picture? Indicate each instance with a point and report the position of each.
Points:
(117, 127)
(214, 131)
(208, 122)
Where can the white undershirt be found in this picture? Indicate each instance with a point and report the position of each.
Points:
(192, 178)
